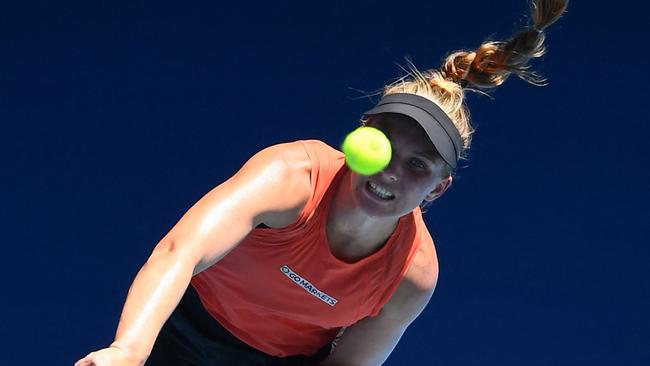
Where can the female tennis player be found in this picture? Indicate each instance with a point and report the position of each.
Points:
(297, 260)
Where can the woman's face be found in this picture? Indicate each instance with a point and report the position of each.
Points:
(416, 172)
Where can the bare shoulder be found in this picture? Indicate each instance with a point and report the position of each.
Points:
(423, 272)
(293, 154)
(417, 286)
(371, 340)
(293, 167)
(272, 186)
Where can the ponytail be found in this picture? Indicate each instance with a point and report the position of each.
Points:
(491, 64)
(485, 68)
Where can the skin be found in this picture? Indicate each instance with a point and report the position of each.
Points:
(272, 188)
(359, 222)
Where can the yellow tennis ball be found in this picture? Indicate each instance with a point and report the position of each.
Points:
(367, 150)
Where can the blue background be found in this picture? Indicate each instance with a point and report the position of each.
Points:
(117, 116)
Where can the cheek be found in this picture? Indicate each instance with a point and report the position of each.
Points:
(421, 185)
(420, 179)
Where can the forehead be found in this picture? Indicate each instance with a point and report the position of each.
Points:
(405, 130)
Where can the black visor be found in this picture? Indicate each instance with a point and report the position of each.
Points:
(438, 126)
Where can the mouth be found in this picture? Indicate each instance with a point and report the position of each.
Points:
(379, 191)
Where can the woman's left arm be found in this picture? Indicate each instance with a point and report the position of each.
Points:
(371, 340)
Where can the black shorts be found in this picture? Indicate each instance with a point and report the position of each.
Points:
(191, 336)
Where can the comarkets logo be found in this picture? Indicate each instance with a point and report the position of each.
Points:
(308, 286)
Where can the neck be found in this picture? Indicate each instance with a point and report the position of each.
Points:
(352, 233)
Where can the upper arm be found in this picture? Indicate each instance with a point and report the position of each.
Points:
(371, 340)
(273, 185)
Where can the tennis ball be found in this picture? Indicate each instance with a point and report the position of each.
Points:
(367, 150)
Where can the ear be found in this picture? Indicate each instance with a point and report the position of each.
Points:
(439, 190)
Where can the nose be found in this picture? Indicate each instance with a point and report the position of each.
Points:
(392, 172)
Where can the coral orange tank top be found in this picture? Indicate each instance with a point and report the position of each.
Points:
(283, 292)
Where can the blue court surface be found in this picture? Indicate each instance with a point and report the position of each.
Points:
(117, 116)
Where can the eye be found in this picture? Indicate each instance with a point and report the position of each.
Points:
(417, 163)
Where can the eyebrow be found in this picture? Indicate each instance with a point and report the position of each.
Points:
(432, 157)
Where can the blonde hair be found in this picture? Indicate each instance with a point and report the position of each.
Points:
(485, 68)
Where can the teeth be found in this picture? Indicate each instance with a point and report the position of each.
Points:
(381, 192)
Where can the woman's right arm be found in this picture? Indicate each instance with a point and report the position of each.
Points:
(272, 187)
